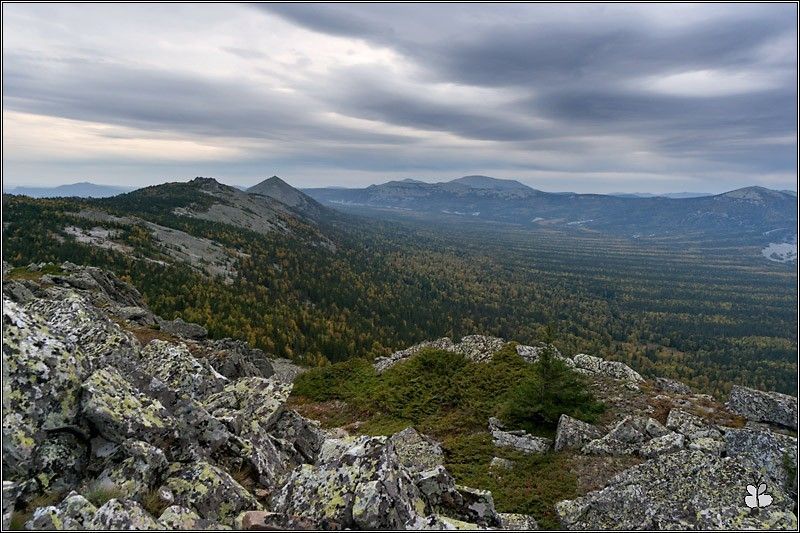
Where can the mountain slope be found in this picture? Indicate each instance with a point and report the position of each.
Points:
(281, 191)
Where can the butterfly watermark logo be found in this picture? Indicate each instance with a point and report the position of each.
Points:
(757, 496)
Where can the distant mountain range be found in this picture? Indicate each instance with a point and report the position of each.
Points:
(748, 211)
(83, 189)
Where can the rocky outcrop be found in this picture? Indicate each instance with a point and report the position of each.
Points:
(363, 486)
(416, 451)
(476, 348)
(759, 406)
(517, 440)
(656, 495)
(627, 437)
(591, 365)
(573, 433)
(531, 353)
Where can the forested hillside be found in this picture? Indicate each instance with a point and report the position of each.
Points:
(343, 286)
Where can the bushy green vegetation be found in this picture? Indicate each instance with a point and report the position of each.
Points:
(445, 395)
(547, 391)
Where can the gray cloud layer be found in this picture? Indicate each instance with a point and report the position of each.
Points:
(584, 97)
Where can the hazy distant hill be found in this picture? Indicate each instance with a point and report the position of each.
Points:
(83, 189)
(664, 195)
(746, 213)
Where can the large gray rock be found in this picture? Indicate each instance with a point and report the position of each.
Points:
(683, 490)
(120, 412)
(300, 437)
(417, 452)
(188, 330)
(691, 426)
(759, 406)
(42, 378)
(74, 512)
(773, 454)
(122, 515)
(180, 518)
(236, 359)
(139, 473)
(669, 443)
(176, 367)
(517, 522)
(573, 433)
(361, 485)
(626, 437)
(518, 440)
(210, 491)
(74, 318)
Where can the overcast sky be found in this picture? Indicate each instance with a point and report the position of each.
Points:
(590, 98)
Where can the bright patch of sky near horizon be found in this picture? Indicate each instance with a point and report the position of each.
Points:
(589, 98)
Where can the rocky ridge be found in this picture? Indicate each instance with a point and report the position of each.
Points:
(128, 421)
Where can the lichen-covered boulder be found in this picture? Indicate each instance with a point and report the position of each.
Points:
(249, 406)
(176, 367)
(477, 507)
(180, 328)
(139, 473)
(120, 515)
(417, 452)
(121, 412)
(573, 433)
(210, 491)
(773, 454)
(59, 461)
(759, 406)
(708, 445)
(235, 359)
(180, 518)
(691, 426)
(625, 438)
(518, 440)
(517, 522)
(265, 520)
(364, 486)
(74, 512)
(683, 490)
(17, 292)
(42, 378)
(71, 316)
(669, 443)
(300, 437)
(613, 369)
